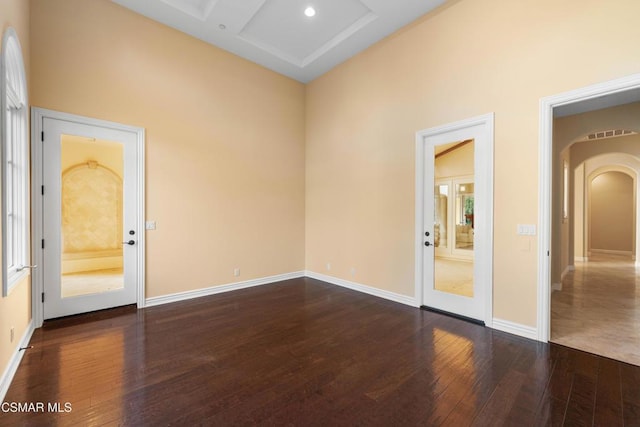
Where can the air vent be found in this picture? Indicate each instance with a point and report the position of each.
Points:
(613, 133)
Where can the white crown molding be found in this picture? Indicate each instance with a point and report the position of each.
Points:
(339, 38)
(222, 23)
(199, 14)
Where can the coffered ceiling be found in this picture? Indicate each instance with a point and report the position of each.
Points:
(279, 35)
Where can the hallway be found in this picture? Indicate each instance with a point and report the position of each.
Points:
(598, 308)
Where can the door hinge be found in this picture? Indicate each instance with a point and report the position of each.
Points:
(42, 190)
(548, 253)
(42, 136)
(43, 297)
(42, 243)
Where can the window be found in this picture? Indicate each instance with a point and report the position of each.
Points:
(15, 169)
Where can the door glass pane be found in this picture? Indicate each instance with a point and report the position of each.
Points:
(92, 221)
(464, 216)
(454, 219)
(441, 194)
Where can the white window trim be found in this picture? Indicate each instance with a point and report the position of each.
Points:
(565, 191)
(13, 94)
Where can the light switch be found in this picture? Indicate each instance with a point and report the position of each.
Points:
(150, 225)
(526, 229)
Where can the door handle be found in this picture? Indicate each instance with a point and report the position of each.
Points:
(427, 243)
(130, 243)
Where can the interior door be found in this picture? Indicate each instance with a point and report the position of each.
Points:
(450, 223)
(89, 218)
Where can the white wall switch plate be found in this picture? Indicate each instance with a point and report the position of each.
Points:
(526, 229)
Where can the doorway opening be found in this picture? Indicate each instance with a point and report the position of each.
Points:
(589, 165)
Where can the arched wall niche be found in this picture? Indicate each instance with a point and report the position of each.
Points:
(584, 174)
(92, 219)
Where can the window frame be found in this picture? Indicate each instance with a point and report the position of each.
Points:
(565, 191)
(14, 167)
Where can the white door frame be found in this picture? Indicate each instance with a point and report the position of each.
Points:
(545, 159)
(37, 279)
(483, 171)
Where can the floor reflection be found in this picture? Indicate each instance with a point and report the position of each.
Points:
(91, 371)
(93, 282)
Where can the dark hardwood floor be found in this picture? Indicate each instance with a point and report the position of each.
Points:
(305, 353)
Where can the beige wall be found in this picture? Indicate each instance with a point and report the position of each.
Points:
(77, 150)
(455, 163)
(470, 58)
(15, 309)
(612, 218)
(225, 138)
(571, 128)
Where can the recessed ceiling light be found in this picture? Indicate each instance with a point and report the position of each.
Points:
(310, 12)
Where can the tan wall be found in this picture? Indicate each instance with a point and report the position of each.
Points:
(225, 138)
(455, 163)
(15, 309)
(77, 151)
(611, 203)
(571, 128)
(470, 58)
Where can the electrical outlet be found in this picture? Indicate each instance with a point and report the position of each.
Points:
(328, 266)
(353, 271)
(236, 272)
(12, 333)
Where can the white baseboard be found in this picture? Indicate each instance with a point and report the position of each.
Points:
(558, 286)
(567, 270)
(515, 329)
(392, 296)
(14, 362)
(181, 296)
(611, 252)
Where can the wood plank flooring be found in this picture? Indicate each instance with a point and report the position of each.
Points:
(306, 353)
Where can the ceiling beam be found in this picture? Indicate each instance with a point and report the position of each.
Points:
(455, 147)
